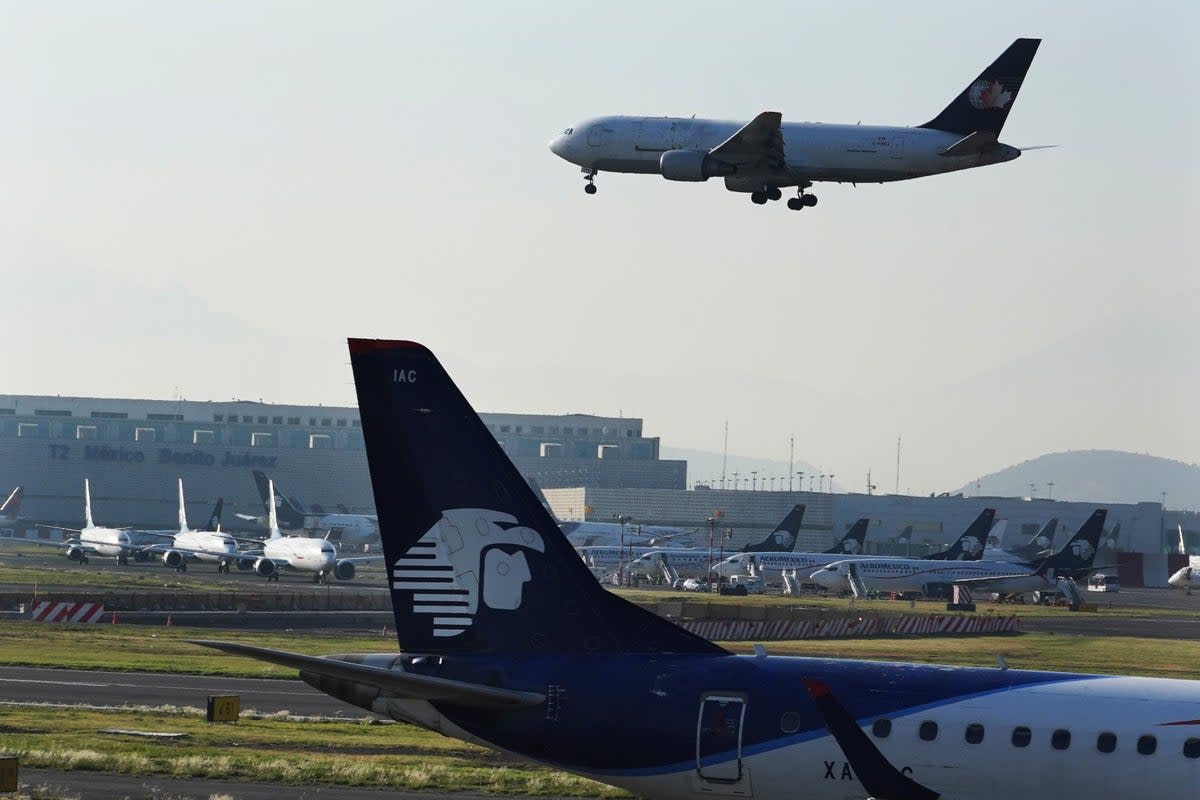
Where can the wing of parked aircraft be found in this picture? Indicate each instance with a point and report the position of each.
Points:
(758, 143)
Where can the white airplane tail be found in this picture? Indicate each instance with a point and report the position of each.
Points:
(272, 517)
(1182, 546)
(183, 526)
(87, 505)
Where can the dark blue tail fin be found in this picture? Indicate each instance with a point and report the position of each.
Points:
(289, 513)
(476, 565)
(969, 546)
(985, 103)
(852, 542)
(783, 538)
(1077, 556)
(214, 519)
(1041, 542)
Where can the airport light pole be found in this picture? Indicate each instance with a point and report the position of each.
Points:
(821, 485)
(754, 480)
(801, 474)
(712, 531)
(831, 483)
(735, 480)
(1050, 488)
(623, 519)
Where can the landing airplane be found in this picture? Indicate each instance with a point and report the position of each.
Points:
(298, 553)
(508, 642)
(210, 546)
(770, 565)
(764, 156)
(1074, 561)
(347, 529)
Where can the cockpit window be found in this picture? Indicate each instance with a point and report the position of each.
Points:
(568, 131)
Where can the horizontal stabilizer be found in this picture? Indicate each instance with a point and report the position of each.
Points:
(970, 144)
(404, 685)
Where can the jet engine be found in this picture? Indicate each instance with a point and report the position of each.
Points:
(692, 165)
(344, 570)
(75, 553)
(173, 559)
(265, 567)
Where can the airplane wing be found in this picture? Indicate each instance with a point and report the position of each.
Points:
(43, 543)
(984, 583)
(758, 143)
(365, 561)
(395, 683)
(247, 517)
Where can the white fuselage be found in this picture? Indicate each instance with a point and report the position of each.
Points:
(813, 151)
(301, 554)
(344, 528)
(771, 566)
(1188, 577)
(209, 546)
(108, 542)
(913, 575)
(609, 534)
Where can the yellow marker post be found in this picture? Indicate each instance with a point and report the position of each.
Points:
(8, 774)
(224, 708)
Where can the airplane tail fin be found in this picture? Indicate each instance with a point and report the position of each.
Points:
(285, 508)
(87, 504)
(183, 526)
(12, 506)
(214, 519)
(783, 538)
(272, 516)
(1080, 551)
(852, 542)
(969, 546)
(985, 103)
(476, 565)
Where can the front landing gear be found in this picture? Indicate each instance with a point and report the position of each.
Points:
(589, 175)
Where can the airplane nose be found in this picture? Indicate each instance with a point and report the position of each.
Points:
(558, 146)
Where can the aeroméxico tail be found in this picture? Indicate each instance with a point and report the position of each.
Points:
(509, 642)
(765, 155)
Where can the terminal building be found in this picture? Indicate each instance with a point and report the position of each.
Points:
(133, 450)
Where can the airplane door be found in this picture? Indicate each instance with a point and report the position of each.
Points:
(719, 739)
(896, 146)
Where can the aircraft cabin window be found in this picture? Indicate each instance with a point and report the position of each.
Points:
(1021, 737)
(1060, 739)
(1191, 748)
(882, 728)
(1106, 742)
(974, 734)
(928, 730)
(789, 722)
(1147, 745)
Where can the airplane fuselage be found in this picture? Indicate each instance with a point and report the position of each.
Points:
(813, 151)
(682, 727)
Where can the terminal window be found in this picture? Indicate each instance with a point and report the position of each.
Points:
(293, 421)
(341, 423)
(326, 422)
(319, 441)
(276, 420)
(261, 440)
(145, 434)
(203, 437)
(262, 420)
(85, 431)
(27, 429)
(219, 418)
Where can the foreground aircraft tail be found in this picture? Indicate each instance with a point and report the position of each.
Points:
(783, 538)
(984, 105)
(290, 514)
(852, 542)
(969, 546)
(1077, 556)
(476, 565)
(12, 506)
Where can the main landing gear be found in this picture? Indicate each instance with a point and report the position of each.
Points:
(801, 200)
(589, 175)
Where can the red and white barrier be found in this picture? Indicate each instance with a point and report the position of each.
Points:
(848, 627)
(67, 612)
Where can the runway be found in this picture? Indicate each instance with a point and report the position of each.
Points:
(69, 686)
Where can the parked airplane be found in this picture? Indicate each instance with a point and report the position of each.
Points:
(94, 540)
(298, 553)
(355, 529)
(1188, 577)
(10, 511)
(969, 545)
(770, 565)
(764, 156)
(1040, 546)
(210, 546)
(692, 562)
(783, 539)
(589, 533)
(508, 642)
(915, 575)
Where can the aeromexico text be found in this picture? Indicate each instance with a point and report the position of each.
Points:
(166, 455)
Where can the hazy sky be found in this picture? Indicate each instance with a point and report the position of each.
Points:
(213, 196)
